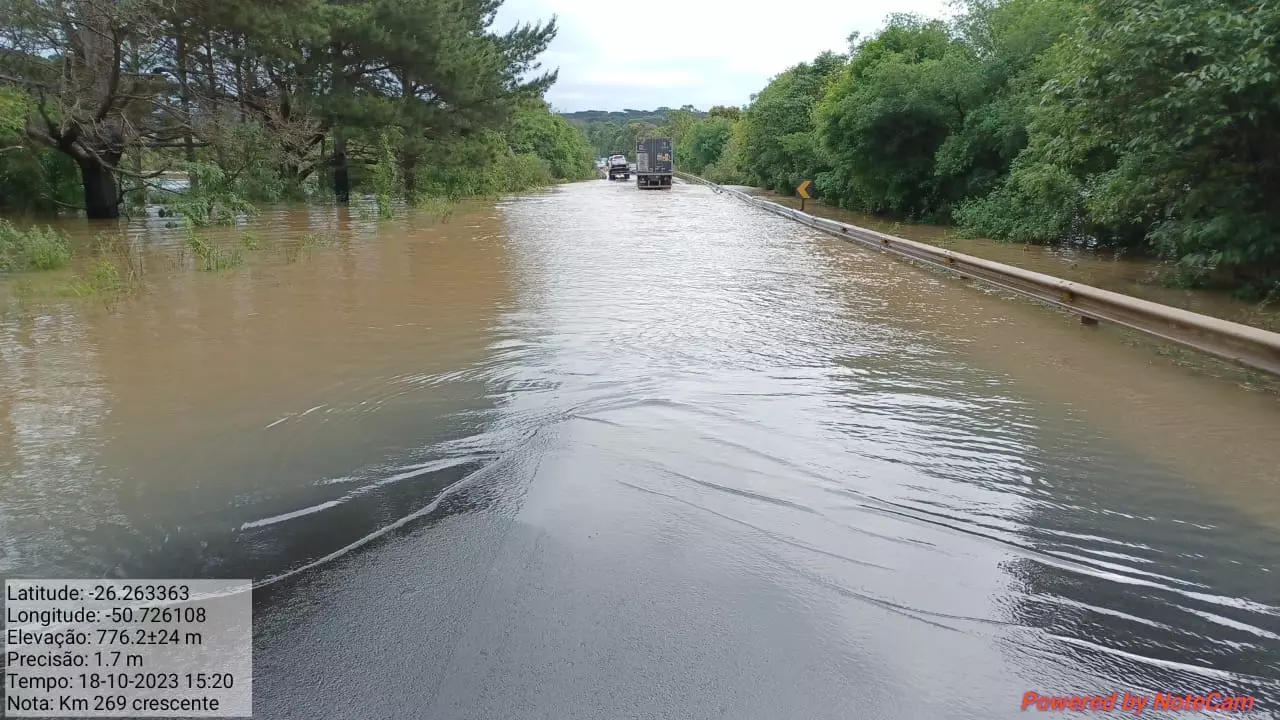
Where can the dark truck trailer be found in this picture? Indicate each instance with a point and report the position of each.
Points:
(655, 163)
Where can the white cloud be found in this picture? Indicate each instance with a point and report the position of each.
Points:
(614, 55)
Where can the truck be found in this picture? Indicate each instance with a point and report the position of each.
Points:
(655, 163)
(618, 167)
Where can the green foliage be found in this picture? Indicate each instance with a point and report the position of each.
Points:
(681, 126)
(731, 113)
(31, 179)
(268, 94)
(653, 117)
(894, 107)
(14, 108)
(1165, 115)
(213, 198)
(483, 165)
(250, 160)
(306, 244)
(779, 146)
(441, 208)
(1154, 130)
(32, 249)
(521, 172)
(210, 257)
(117, 271)
(702, 140)
(536, 131)
(615, 133)
(728, 167)
(106, 277)
(386, 173)
(1039, 203)
(706, 143)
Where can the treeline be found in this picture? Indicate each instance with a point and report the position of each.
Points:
(615, 133)
(622, 117)
(273, 100)
(1148, 126)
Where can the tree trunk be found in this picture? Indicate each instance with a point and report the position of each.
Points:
(101, 198)
(240, 84)
(184, 90)
(341, 171)
(408, 173)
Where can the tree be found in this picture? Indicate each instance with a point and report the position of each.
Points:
(625, 142)
(1159, 129)
(73, 59)
(708, 141)
(905, 91)
(536, 131)
(433, 68)
(1008, 38)
(731, 113)
(31, 179)
(779, 144)
(114, 77)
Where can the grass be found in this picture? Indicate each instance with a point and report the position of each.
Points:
(121, 252)
(119, 270)
(440, 207)
(32, 249)
(210, 257)
(307, 243)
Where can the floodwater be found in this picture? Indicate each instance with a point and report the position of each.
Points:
(1105, 269)
(604, 453)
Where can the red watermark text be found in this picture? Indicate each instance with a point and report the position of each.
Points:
(1137, 703)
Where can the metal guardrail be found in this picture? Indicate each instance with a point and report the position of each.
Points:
(1249, 346)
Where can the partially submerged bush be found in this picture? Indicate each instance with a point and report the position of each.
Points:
(32, 249)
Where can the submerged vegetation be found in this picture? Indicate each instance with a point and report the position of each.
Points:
(32, 249)
(285, 100)
(1144, 126)
(385, 105)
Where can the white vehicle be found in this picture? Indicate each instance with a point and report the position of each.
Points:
(619, 168)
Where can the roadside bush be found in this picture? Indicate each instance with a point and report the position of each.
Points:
(32, 249)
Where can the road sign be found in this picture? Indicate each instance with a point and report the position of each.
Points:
(803, 190)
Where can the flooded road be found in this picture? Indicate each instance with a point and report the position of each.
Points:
(1106, 268)
(598, 452)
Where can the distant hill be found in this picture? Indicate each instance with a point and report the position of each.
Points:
(624, 117)
(616, 131)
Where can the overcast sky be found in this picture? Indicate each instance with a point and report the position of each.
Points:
(614, 55)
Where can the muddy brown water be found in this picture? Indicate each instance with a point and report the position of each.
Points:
(1104, 269)
(598, 452)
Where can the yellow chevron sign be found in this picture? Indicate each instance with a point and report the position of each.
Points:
(803, 190)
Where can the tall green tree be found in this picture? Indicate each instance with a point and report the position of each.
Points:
(435, 69)
(780, 146)
(1158, 130)
(708, 141)
(1009, 38)
(536, 131)
(903, 94)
